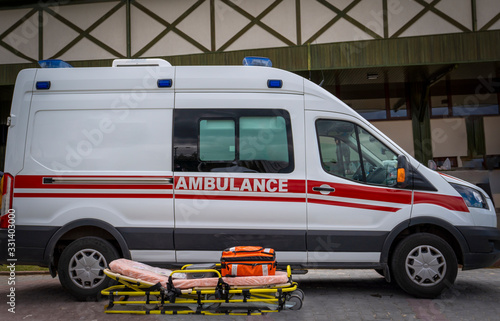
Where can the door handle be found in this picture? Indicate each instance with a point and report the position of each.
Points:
(323, 189)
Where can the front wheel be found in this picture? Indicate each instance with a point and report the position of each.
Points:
(81, 267)
(424, 265)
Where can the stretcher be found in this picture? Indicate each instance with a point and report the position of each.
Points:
(143, 289)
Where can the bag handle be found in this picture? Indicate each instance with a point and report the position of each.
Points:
(256, 249)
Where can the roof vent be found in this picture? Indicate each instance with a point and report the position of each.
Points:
(141, 63)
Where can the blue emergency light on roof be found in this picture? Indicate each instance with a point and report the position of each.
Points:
(257, 61)
(274, 83)
(42, 84)
(164, 83)
(54, 63)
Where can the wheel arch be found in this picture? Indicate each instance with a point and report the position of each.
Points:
(426, 224)
(81, 228)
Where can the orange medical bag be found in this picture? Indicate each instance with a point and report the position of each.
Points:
(248, 261)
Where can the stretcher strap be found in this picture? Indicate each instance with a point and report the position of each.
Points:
(199, 301)
(111, 298)
(246, 295)
(281, 302)
(173, 292)
(156, 287)
(222, 290)
(162, 295)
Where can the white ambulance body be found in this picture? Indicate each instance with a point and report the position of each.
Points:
(170, 165)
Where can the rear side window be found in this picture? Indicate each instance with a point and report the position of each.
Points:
(217, 140)
(263, 138)
(231, 140)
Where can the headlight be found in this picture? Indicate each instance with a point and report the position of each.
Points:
(471, 196)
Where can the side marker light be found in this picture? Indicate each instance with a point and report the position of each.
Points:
(274, 83)
(43, 85)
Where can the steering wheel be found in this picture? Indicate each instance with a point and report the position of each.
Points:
(377, 176)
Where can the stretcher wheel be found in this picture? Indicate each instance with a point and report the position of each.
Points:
(300, 293)
(296, 302)
(210, 306)
(150, 307)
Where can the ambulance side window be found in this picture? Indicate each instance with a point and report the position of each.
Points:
(263, 138)
(349, 151)
(217, 140)
(233, 140)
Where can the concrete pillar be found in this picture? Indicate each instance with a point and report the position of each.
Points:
(418, 93)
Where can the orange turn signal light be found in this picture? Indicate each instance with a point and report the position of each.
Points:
(401, 175)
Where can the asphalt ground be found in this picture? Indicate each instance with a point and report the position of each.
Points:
(330, 295)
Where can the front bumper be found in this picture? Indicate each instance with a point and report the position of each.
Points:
(484, 246)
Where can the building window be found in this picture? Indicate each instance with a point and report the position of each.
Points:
(465, 105)
(397, 100)
(378, 101)
(370, 109)
(439, 99)
(366, 99)
(473, 97)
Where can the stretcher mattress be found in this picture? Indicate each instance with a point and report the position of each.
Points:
(154, 275)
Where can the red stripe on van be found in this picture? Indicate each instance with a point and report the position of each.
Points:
(354, 191)
(382, 194)
(452, 177)
(355, 205)
(287, 199)
(241, 198)
(454, 203)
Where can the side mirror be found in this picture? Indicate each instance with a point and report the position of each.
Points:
(403, 171)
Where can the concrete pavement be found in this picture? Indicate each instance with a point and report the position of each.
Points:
(330, 295)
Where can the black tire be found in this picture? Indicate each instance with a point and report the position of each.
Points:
(438, 271)
(89, 255)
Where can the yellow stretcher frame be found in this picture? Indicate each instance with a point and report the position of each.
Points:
(221, 300)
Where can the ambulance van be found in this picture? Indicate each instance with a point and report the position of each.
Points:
(172, 164)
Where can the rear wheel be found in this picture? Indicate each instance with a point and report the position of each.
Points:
(424, 265)
(81, 267)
